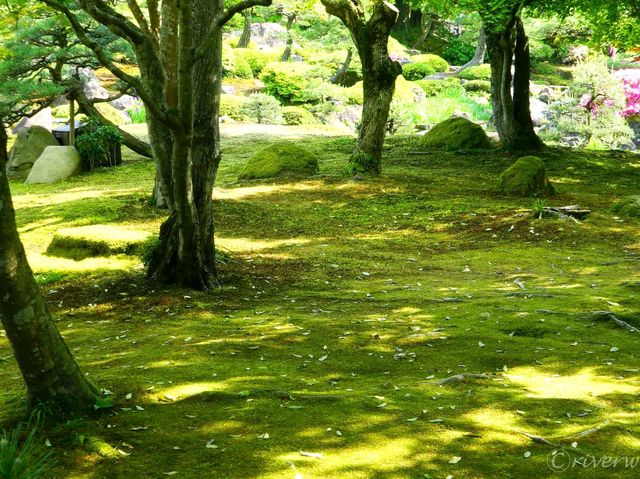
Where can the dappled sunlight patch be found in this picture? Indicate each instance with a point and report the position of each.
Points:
(584, 385)
(41, 263)
(374, 454)
(185, 391)
(258, 190)
(496, 425)
(243, 245)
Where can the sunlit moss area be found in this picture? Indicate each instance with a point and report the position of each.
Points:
(344, 305)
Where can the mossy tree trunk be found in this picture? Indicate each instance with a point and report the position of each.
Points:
(291, 18)
(52, 376)
(379, 73)
(508, 47)
(245, 38)
(179, 53)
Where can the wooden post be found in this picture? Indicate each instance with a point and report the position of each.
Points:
(72, 121)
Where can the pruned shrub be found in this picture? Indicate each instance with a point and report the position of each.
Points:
(480, 72)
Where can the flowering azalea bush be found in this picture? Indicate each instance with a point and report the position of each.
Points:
(593, 111)
(631, 84)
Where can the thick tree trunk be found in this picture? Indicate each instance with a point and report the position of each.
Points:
(378, 93)
(245, 38)
(379, 73)
(52, 376)
(511, 111)
(478, 57)
(186, 253)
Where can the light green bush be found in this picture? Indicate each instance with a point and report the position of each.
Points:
(297, 115)
(482, 86)
(257, 59)
(435, 87)
(480, 72)
(262, 108)
(294, 82)
(231, 106)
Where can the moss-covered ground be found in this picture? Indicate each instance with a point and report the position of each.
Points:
(343, 304)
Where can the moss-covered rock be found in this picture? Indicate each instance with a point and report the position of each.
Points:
(29, 145)
(629, 207)
(280, 159)
(96, 240)
(526, 177)
(456, 133)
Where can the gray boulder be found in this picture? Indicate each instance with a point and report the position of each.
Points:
(56, 163)
(29, 145)
(92, 87)
(42, 118)
(540, 112)
(125, 102)
(268, 35)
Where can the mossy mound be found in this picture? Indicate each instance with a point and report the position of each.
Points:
(456, 133)
(526, 177)
(629, 207)
(96, 240)
(280, 159)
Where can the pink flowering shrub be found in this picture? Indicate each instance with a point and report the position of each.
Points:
(631, 83)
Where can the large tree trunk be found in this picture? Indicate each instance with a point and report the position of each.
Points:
(379, 73)
(378, 88)
(245, 38)
(512, 114)
(52, 376)
(186, 254)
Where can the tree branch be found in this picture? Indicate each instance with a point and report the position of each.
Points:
(149, 100)
(222, 18)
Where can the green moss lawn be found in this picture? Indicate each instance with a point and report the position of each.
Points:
(343, 304)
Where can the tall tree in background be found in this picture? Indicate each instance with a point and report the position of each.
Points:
(178, 48)
(52, 376)
(370, 34)
(508, 47)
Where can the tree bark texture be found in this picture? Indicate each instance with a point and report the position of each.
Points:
(52, 376)
(509, 47)
(245, 38)
(379, 74)
(179, 54)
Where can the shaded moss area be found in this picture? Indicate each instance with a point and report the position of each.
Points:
(96, 240)
(629, 207)
(343, 304)
(278, 160)
(456, 133)
(526, 177)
